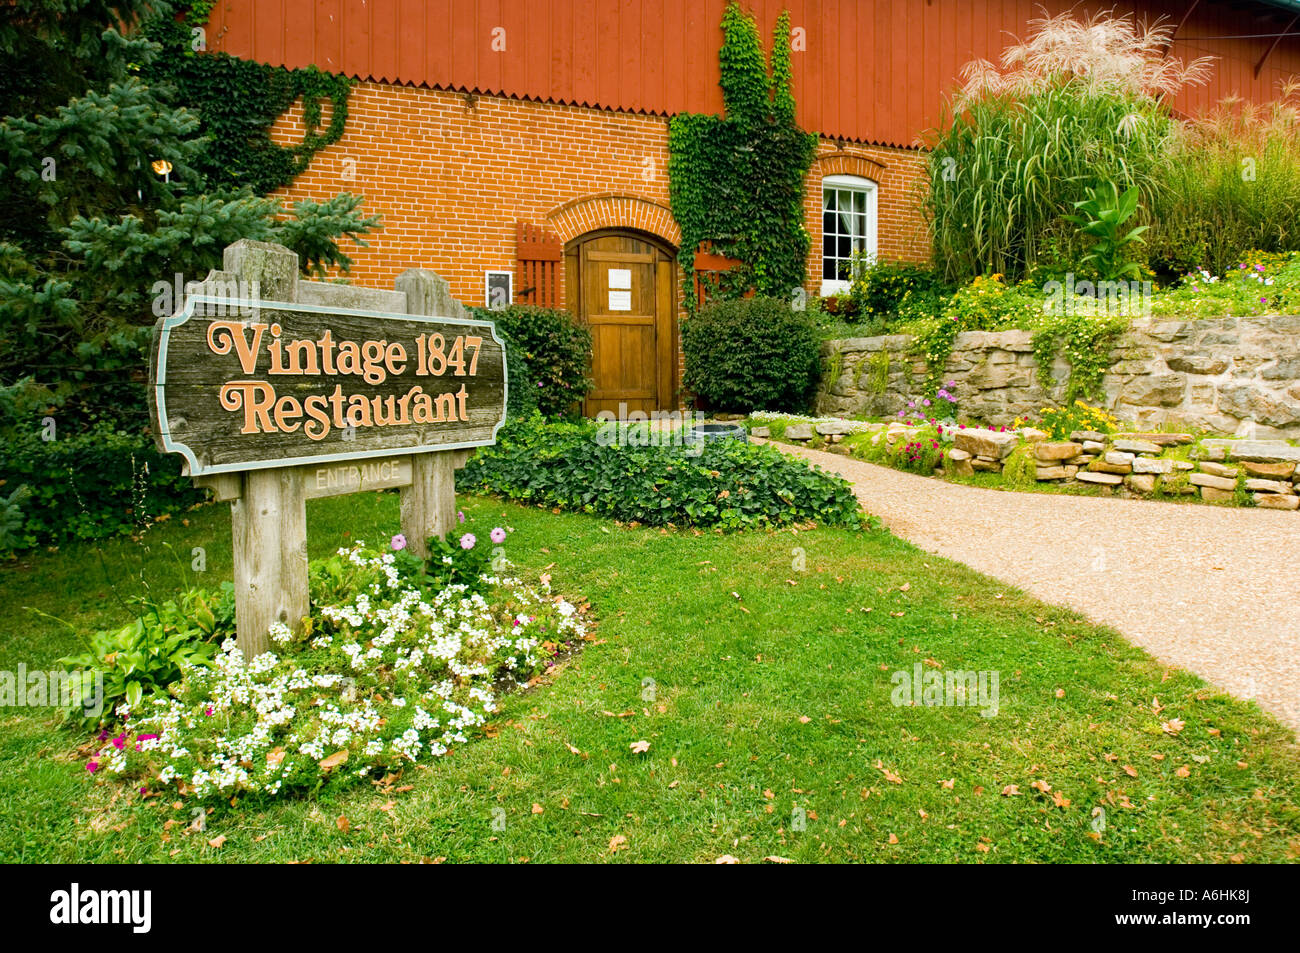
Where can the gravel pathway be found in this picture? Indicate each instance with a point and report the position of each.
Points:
(1212, 589)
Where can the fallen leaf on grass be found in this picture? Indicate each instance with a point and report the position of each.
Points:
(774, 859)
(343, 823)
(1172, 726)
(217, 841)
(1010, 790)
(639, 747)
(617, 842)
(890, 776)
(334, 760)
(1131, 771)
(726, 859)
(1183, 771)
(537, 808)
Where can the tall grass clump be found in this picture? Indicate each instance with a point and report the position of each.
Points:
(1075, 106)
(1233, 183)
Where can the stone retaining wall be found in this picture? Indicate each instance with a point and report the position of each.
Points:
(1229, 375)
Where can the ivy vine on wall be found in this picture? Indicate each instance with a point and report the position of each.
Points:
(238, 101)
(737, 181)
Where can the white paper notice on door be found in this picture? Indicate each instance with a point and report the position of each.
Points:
(620, 278)
(620, 300)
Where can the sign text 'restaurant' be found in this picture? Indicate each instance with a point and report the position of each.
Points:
(295, 383)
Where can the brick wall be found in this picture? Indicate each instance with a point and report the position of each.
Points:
(451, 173)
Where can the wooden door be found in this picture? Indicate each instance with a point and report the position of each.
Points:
(624, 288)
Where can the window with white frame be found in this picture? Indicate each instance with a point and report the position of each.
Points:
(848, 228)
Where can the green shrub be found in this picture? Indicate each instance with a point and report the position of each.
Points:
(882, 289)
(521, 392)
(1233, 183)
(91, 485)
(726, 483)
(751, 354)
(143, 658)
(1020, 468)
(556, 350)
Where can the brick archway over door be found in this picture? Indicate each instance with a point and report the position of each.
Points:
(612, 210)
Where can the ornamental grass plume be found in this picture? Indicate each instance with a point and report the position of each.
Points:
(1104, 54)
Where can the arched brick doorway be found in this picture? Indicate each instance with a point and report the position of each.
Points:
(622, 283)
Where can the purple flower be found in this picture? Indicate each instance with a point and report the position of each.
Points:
(467, 541)
(498, 535)
(926, 402)
(1259, 267)
(399, 542)
(1263, 301)
(460, 516)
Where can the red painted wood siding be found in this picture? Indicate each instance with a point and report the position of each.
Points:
(873, 71)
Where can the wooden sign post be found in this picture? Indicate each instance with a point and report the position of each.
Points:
(317, 390)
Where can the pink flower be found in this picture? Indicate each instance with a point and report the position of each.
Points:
(119, 742)
(467, 541)
(498, 535)
(207, 712)
(92, 766)
(460, 516)
(398, 542)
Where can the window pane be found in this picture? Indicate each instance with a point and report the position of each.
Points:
(828, 267)
(860, 203)
(845, 247)
(828, 222)
(830, 200)
(828, 245)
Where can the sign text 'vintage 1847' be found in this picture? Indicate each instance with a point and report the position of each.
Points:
(244, 385)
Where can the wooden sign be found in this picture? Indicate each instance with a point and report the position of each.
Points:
(243, 385)
(274, 402)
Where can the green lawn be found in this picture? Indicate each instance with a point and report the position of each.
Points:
(754, 714)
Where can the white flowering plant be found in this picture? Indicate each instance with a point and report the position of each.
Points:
(384, 673)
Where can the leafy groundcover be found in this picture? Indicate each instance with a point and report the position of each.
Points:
(636, 475)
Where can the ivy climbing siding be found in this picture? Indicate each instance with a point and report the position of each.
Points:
(737, 181)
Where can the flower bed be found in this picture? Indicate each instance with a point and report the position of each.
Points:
(399, 660)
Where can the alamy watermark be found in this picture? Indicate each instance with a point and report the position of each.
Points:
(655, 428)
(953, 688)
(233, 296)
(1131, 299)
(56, 688)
